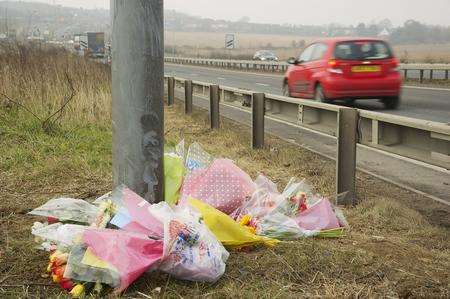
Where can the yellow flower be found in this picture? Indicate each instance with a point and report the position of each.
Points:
(77, 291)
(49, 267)
(59, 258)
(251, 229)
(53, 256)
(56, 278)
(245, 220)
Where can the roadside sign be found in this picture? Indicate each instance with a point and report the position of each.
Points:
(230, 41)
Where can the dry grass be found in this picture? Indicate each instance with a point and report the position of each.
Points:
(435, 53)
(398, 245)
(40, 79)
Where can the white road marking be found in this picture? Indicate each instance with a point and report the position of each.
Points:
(426, 88)
(228, 71)
(262, 84)
(194, 74)
(221, 78)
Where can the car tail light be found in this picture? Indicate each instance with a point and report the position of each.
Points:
(333, 67)
(394, 66)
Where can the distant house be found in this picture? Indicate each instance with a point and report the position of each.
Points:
(220, 26)
(191, 26)
(384, 33)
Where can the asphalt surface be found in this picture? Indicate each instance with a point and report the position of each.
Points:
(417, 102)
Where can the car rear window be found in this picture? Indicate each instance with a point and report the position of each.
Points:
(362, 50)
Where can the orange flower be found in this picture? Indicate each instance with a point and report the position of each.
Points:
(56, 278)
(58, 274)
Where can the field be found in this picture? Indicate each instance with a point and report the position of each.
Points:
(211, 45)
(398, 244)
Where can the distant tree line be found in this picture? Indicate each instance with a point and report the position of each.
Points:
(61, 21)
(415, 32)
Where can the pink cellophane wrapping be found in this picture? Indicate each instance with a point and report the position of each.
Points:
(142, 220)
(222, 185)
(130, 253)
(320, 216)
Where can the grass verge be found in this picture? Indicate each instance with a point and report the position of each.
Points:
(398, 245)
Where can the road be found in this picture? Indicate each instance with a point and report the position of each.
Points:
(418, 102)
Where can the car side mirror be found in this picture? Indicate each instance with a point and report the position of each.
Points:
(292, 60)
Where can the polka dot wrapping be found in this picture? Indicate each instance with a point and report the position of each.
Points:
(222, 185)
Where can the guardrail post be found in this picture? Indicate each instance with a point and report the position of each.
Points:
(188, 96)
(421, 76)
(431, 74)
(346, 156)
(214, 106)
(258, 107)
(170, 91)
(446, 74)
(406, 73)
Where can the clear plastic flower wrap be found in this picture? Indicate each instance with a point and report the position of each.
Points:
(282, 227)
(68, 210)
(197, 158)
(262, 201)
(295, 197)
(191, 251)
(57, 234)
(266, 199)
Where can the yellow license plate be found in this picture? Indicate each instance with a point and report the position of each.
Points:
(366, 69)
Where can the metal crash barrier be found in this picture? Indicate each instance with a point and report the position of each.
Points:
(420, 72)
(420, 140)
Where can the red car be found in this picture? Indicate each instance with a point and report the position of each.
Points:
(350, 69)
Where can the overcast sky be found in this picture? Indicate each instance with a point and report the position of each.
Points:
(302, 11)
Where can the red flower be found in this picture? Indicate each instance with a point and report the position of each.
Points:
(52, 220)
(67, 284)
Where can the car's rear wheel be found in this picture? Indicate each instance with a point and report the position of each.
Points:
(350, 102)
(286, 91)
(391, 102)
(319, 95)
